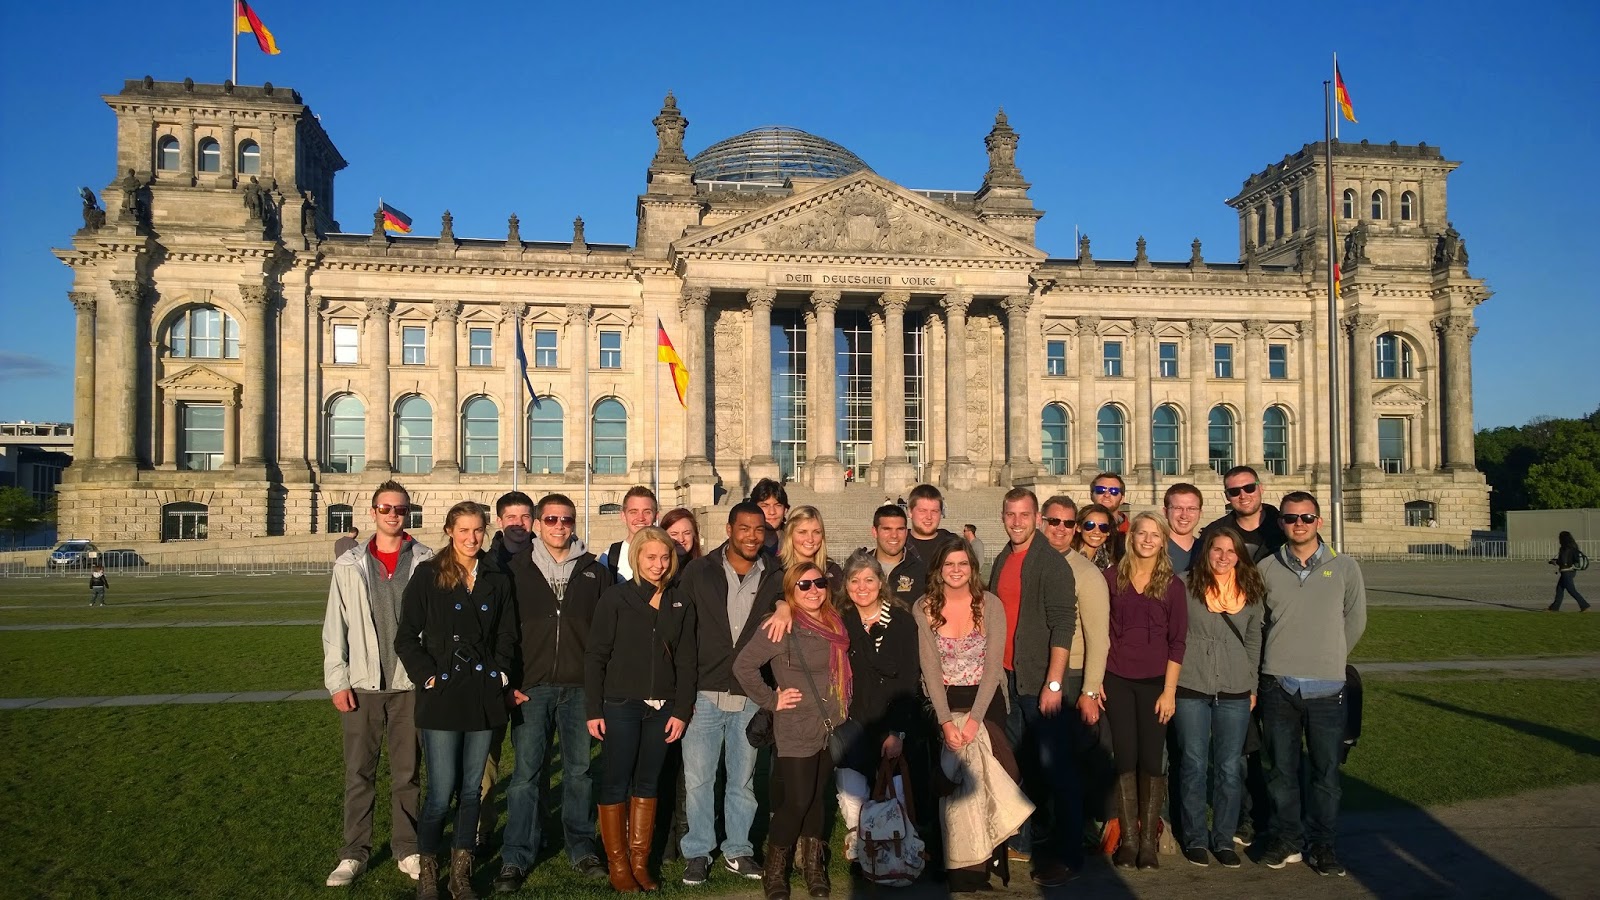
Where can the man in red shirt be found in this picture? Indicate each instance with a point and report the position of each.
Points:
(1035, 585)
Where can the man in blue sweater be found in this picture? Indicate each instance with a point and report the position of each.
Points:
(1316, 611)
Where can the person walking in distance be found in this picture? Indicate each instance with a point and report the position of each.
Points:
(98, 584)
(639, 510)
(369, 686)
(1567, 561)
(970, 533)
(1316, 613)
(346, 542)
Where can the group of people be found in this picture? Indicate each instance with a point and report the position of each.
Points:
(1026, 715)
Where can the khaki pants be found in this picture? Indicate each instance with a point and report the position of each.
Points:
(380, 715)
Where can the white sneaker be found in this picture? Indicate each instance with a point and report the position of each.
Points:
(346, 872)
(412, 865)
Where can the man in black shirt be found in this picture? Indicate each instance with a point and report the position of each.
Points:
(927, 511)
(907, 573)
(1257, 521)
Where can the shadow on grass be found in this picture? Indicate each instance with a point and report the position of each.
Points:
(1572, 741)
(1472, 600)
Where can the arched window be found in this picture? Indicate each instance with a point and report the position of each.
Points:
(249, 157)
(344, 432)
(167, 154)
(340, 518)
(210, 156)
(1053, 446)
(1408, 207)
(546, 437)
(1109, 448)
(1164, 440)
(184, 522)
(1275, 440)
(204, 332)
(1219, 434)
(1421, 513)
(1380, 206)
(1349, 210)
(480, 436)
(413, 435)
(1392, 357)
(610, 440)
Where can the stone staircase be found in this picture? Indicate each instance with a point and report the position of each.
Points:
(848, 515)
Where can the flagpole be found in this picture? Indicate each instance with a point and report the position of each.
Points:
(588, 457)
(233, 37)
(655, 396)
(518, 412)
(1335, 118)
(1335, 440)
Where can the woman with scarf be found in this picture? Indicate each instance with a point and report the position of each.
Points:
(1096, 537)
(815, 652)
(1216, 690)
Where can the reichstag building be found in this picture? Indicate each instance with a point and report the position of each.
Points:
(246, 366)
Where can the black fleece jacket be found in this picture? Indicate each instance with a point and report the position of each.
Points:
(704, 584)
(554, 633)
(639, 652)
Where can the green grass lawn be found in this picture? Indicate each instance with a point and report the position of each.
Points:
(133, 591)
(85, 663)
(1396, 635)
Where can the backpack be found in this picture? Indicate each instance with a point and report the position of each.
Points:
(888, 849)
(1352, 713)
(1583, 561)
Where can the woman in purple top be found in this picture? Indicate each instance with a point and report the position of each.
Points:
(1149, 622)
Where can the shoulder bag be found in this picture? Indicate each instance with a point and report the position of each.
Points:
(844, 735)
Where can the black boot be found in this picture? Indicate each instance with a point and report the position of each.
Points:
(461, 875)
(775, 871)
(428, 879)
(813, 854)
(1127, 820)
(1152, 788)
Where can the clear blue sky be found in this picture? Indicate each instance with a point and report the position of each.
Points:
(1136, 119)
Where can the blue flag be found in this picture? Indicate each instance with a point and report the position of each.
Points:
(522, 361)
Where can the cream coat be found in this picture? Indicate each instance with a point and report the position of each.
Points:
(985, 809)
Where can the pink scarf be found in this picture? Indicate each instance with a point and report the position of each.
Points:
(830, 627)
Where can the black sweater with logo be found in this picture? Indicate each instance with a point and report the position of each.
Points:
(640, 652)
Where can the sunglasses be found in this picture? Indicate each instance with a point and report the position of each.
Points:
(1102, 527)
(1243, 489)
(1054, 522)
(399, 509)
(553, 521)
(1106, 489)
(806, 584)
(1305, 518)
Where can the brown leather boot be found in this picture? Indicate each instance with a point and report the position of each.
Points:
(428, 878)
(614, 835)
(813, 853)
(775, 871)
(641, 833)
(461, 875)
(1127, 819)
(1152, 788)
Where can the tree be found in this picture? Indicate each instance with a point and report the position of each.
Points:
(1569, 475)
(19, 514)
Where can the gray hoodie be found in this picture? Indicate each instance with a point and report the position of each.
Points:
(558, 573)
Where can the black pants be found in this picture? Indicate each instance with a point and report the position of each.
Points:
(631, 754)
(1137, 736)
(798, 806)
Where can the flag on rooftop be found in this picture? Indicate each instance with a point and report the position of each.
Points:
(250, 23)
(1342, 94)
(394, 221)
(666, 353)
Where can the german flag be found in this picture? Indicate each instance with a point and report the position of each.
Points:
(1343, 95)
(250, 23)
(394, 221)
(1338, 282)
(667, 354)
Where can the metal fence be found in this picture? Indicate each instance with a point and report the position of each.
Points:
(198, 566)
(1476, 550)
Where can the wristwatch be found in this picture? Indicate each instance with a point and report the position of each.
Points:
(1092, 695)
(1054, 686)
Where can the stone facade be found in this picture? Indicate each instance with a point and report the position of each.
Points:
(238, 351)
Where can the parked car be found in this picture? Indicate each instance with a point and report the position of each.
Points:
(73, 555)
(121, 559)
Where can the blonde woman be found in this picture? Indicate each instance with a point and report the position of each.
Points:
(804, 539)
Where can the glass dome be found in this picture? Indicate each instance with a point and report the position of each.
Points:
(772, 154)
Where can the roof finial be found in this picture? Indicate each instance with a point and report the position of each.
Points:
(671, 102)
(1000, 117)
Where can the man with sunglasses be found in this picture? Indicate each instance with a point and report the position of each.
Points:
(1257, 521)
(1109, 490)
(370, 688)
(558, 583)
(1316, 611)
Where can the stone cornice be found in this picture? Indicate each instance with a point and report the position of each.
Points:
(486, 268)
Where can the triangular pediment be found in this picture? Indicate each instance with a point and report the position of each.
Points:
(861, 215)
(1399, 395)
(198, 378)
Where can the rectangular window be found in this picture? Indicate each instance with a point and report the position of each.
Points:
(1384, 357)
(480, 347)
(201, 425)
(1169, 360)
(1222, 358)
(346, 345)
(1278, 361)
(610, 349)
(413, 345)
(1055, 357)
(1111, 354)
(544, 348)
(1392, 444)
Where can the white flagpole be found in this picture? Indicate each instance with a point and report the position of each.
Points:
(517, 414)
(588, 467)
(233, 37)
(1336, 112)
(655, 392)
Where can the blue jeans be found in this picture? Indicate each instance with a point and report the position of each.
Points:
(455, 765)
(549, 706)
(1211, 734)
(713, 735)
(1285, 719)
(1045, 755)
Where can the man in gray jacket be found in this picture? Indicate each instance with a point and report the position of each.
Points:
(1035, 585)
(1316, 612)
(369, 687)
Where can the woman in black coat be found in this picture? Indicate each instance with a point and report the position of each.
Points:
(1568, 557)
(887, 684)
(457, 635)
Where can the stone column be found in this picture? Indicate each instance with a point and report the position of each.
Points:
(169, 434)
(880, 370)
(379, 413)
(230, 431)
(447, 418)
(897, 471)
(1362, 328)
(1022, 421)
(124, 325)
(1255, 354)
(188, 153)
(269, 141)
(1085, 429)
(256, 344)
(826, 472)
(762, 463)
(577, 427)
(311, 364)
(1199, 402)
(229, 155)
(933, 385)
(1306, 442)
(692, 305)
(958, 473)
(514, 421)
(1142, 435)
(1456, 332)
(83, 302)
